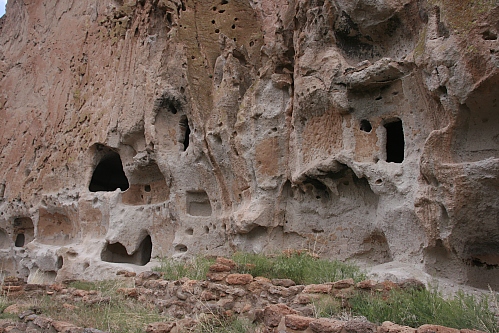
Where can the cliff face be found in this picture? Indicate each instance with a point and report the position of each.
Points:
(362, 130)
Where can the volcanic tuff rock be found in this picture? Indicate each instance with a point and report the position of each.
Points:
(361, 129)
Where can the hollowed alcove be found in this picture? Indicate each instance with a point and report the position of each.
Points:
(395, 141)
(56, 227)
(4, 240)
(24, 231)
(198, 203)
(109, 175)
(147, 186)
(117, 253)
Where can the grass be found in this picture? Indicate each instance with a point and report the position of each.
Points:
(326, 307)
(220, 324)
(417, 307)
(194, 269)
(115, 313)
(4, 303)
(301, 267)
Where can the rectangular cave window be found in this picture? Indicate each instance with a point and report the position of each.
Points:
(395, 141)
(198, 203)
(117, 253)
(20, 240)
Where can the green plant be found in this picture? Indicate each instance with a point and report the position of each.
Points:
(417, 307)
(106, 287)
(300, 267)
(222, 324)
(114, 313)
(194, 269)
(4, 303)
(326, 306)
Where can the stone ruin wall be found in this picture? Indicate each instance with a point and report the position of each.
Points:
(136, 129)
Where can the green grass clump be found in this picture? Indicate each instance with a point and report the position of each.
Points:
(301, 267)
(418, 307)
(220, 324)
(106, 287)
(4, 303)
(115, 313)
(326, 306)
(194, 269)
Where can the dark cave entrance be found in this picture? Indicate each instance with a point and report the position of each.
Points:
(185, 132)
(395, 141)
(109, 175)
(24, 231)
(20, 240)
(117, 253)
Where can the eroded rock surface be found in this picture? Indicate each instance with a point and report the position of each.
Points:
(359, 129)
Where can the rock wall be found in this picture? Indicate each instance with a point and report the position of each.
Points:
(135, 129)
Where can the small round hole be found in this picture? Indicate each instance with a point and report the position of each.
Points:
(147, 188)
(190, 231)
(217, 31)
(379, 181)
(181, 248)
(365, 126)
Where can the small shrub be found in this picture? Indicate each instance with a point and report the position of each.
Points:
(4, 303)
(218, 324)
(300, 267)
(326, 307)
(115, 313)
(417, 307)
(194, 269)
(106, 287)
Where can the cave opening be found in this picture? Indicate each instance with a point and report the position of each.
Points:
(365, 125)
(24, 231)
(20, 240)
(108, 176)
(395, 141)
(185, 132)
(117, 253)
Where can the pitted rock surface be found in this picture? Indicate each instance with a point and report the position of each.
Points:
(363, 130)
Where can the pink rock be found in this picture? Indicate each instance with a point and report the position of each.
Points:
(239, 279)
(318, 288)
(324, 325)
(297, 322)
(273, 314)
(436, 329)
(389, 327)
